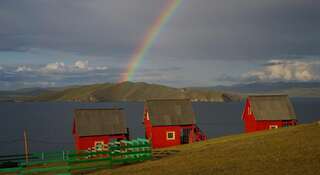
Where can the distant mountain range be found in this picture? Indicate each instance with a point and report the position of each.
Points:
(21, 94)
(130, 91)
(127, 91)
(293, 89)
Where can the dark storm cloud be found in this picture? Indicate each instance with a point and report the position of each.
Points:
(245, 29)
(210, 29)
(91, 27)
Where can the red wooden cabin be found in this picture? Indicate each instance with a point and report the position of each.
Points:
(170, 122)
(264, 112)
(95, 127)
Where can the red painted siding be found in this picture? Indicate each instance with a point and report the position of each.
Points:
(264, 125)
(85, 142)
(158, 134)
(248, 118)
(252, 125)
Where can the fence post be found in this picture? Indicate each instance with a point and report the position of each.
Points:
(67, 156)
(26, 146)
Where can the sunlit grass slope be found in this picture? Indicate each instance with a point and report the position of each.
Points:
(294, 150)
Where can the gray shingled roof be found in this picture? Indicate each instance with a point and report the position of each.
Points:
(89, 122)
(272, 107)
(165, 112)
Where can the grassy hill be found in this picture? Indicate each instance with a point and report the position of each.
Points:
(293, 92)
(129, 91)
(294, 150)
(301, 92)
(21, 94)
(293, 89)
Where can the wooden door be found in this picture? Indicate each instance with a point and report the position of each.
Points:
(185, 135)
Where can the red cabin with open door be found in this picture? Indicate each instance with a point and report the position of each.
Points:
(95, 127)
(263, 112)
(170, 122)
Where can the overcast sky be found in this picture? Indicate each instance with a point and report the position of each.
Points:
(205, 42)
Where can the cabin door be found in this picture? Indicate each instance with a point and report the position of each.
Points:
(185, 135)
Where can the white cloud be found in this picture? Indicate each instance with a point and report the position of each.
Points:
(81, 64)
(39, 84)
(84, 66)
(77, 66)
(23, 69)
(101, 68)
(286, 70)
(1, 68)
(55, 74)
(54, 67)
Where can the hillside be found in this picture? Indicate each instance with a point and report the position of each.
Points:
(21, 94)
(301, 92)
(294, 150)
(293, 89)
(129, 91)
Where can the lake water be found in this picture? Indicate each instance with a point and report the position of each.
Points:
(49, 125)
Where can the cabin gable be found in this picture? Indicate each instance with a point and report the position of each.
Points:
(248, 118)
(98, 126)
(170, 122)
(264, 112)
(148, 125)
(170, 112)
(272, 107)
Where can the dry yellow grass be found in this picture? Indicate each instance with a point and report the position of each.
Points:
(294, 150)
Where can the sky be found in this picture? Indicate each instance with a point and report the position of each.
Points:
(49, 43)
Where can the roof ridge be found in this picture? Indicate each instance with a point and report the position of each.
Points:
(268, 95)
(78, 109)
(168, 99)
(272, 107)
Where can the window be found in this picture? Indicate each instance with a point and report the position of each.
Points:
(171, 135)
(99, 145)
(273, 126)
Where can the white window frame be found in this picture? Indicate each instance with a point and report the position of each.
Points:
(96, 143)
(273, 126)
(101, 142)
(147, 116)
(173, 135)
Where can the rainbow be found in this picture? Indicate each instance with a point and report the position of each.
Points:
(148, 39)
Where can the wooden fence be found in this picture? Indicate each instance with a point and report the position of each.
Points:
(65, 162)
